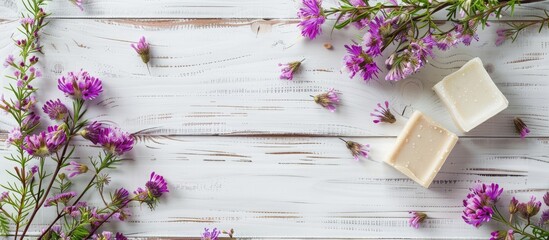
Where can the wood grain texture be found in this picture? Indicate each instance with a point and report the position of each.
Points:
(220, 77)
(193, 9)
(311, 187)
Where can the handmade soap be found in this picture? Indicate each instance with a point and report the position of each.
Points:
(421, 149)
(470, 95)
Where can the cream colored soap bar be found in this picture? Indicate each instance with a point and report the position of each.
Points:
(470, 95)
(421, 149)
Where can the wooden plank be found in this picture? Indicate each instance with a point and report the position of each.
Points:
(210, 77)
(191, 9)
(311, 186)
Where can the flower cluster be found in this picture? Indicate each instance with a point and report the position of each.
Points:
(80, 85)
(479, 202)
(154, 189)
(410, 26)
(480, 207)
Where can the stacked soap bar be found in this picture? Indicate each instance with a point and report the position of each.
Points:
(421, 149)
(470, 95)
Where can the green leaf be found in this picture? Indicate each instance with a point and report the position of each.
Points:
(4, 225)
(80, 233)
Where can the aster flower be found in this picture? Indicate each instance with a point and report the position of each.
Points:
(328, 100)
(502, 235)
(401, 65)
(62, 198)
(120, 197)
(312, 18)
(373, 39)
(56, 110)
(445, 42)
(115, 141)
(210, 235)
(521, 127)
(105, 235)
(30, 122)
(45, 143)
(383, 114)
(14, 137)
(357, 149)
(142, 48)
(154, 189)
(530, 208)
(360, 62)
(77, 169)
(78, 3)
(288, 69)
(479, 202)
(546, 198)
(80, 85)
(416, 218)
(92, 132)
(502, 35)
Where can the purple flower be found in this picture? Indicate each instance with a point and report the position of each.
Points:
(530, 208)
(312, 18)
(9, 61)
(416, 218)
(75, 210)
(154, 189)
(30, 122)
(501, 36)
(92, 132)
(213, 235)
(63, 198)
(56, 110)
(360, 62)
(14, 137)
(466, 35)
(288, 69)
(45, 143)
(105, 235)
(80, 85)
(401, 65)
(445, 42)
(142, 48)
(115, 141)
(328, 100)
(4, 196)
(78, 3)
(479, 202)
(34, 169)
(120, 197)
(120, 236)
(521, 127)
(383, 114)
(357, 149)
(544, 219)
(373, 39)
(546, 198)
(77, 168)
(502, 235)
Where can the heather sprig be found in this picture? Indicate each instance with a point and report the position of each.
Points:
(480, 207)
(409, 29)
(44, 157)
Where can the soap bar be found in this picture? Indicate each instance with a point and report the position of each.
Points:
(470, 95)
(421, 149)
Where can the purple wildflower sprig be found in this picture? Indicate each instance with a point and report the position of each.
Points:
(480, 207)
(410, 26)
(214, 234)
(328, 100)
(357, 150)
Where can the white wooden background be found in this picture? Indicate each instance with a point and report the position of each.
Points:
(242, 149)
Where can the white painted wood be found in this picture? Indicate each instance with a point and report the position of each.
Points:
(312, 187)
(191, 8)
(212, 77)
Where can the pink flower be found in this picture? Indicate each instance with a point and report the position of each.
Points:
(56, 110)
(360, 62)
(357, 149)
(142, 48)
(312, 18)
(383, 114)
(213, 235)
(80, 85)
(416, 218)
(328, 100)
(78, 3)
(77, 169)
(288, 69)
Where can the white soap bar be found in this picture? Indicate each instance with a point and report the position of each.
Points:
(470, 95)
(421, 149)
